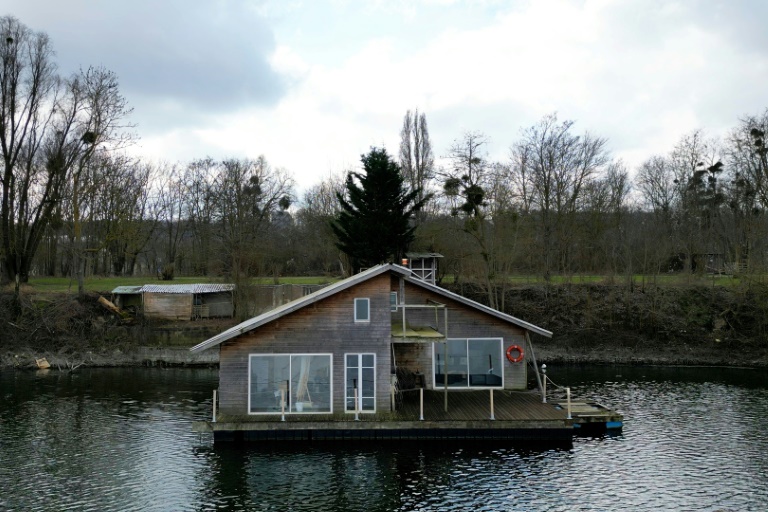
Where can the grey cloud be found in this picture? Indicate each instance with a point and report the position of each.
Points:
(207, 55)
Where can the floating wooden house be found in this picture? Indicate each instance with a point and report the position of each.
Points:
(379, 355)
(177, 301)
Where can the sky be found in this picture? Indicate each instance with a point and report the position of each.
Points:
(314, 84)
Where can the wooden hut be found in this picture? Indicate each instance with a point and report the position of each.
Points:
(177, 301)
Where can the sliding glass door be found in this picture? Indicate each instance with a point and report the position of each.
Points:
(467, 363)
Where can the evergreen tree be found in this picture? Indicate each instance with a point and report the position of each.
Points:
(374, 223)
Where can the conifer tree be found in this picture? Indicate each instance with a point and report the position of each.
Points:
(374, 225)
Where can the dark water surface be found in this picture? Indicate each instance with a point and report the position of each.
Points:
(120, 439)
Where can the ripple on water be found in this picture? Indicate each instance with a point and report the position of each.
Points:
(114, 440)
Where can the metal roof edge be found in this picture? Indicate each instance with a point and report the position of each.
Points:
(482, 307)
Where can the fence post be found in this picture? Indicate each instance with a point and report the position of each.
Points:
(214, 404)
(421, 404)
(568, 396)
(544, 384)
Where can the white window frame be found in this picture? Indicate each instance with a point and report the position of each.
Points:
(290, 362)
(359, 367)
(438, 347)
(393, 303)
(368, 302)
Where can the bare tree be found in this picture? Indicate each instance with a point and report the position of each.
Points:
(417, 160)
(171, 203)
(318, 208)
(103, 110)
(48, 127)
(747, 158)
(465, 185)
(122, 219)
(551, 168)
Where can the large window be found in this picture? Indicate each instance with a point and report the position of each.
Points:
(474, 362)
(360, 374)
(303, 381)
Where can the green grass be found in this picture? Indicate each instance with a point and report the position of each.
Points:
(107, 284)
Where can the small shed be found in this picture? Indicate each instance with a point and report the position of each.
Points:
(177, 301)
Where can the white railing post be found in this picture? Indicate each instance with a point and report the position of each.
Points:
(357, 406)
(421, 404)
(214, 405)
(568, 397)
(544, 384)
(492, 416)
(282, 404)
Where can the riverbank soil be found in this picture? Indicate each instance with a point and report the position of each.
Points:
(623, 324)
(592, 323)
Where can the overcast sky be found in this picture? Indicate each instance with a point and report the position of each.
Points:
(313, 84)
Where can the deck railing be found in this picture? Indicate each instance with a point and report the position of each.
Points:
(567, 390)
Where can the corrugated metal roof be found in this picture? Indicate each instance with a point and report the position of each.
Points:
(127, 290)
(175, 288)
(292, 306)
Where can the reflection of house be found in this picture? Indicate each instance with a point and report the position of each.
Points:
(177, 301)
(337, 351)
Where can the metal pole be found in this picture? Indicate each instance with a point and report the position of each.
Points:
(492, 416)
(445, 354)
(357, 404)
(214, 404)
(421, 404)
(445, 375)
(544, 384)
(568, 397)
(534, 364)
(282, 404)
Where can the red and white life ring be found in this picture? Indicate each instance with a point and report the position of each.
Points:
(518, 357)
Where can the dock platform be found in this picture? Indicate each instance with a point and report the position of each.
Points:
(471, 415)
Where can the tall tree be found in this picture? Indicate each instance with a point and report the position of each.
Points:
(466, 184)
(48, 127)
(374, 225)
(552, 168)
(417, 162)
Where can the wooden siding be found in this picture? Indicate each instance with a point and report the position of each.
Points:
(326, 326)
(463, 322)
(219, 304)
(170, 306)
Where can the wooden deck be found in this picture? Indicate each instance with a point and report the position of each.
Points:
(517, 416)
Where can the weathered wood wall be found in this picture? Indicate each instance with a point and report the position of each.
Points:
(326, 326)
(169, 306)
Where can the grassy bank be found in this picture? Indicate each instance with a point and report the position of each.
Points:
(592, 323)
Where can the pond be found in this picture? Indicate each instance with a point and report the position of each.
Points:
(121, 439)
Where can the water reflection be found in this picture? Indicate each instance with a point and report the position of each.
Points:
(121, 440)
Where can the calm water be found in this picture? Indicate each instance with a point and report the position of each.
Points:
(120, 439)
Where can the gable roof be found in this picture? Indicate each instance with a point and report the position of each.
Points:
(297, 304)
